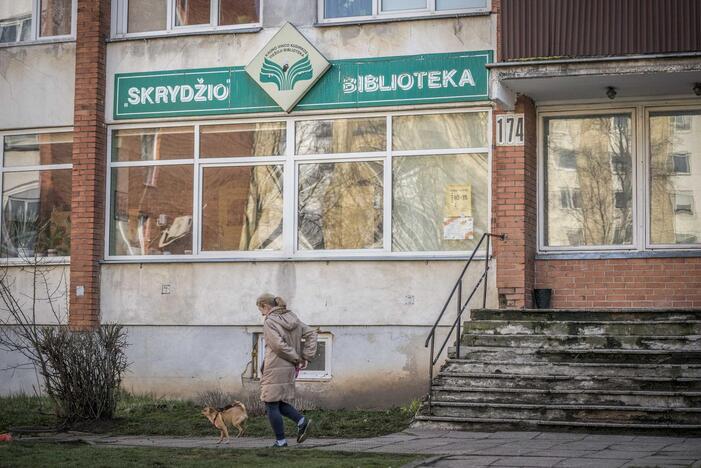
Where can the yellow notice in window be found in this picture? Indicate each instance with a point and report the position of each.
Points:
(458, 201)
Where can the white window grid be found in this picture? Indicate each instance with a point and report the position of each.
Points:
(120, 19)
(304, 375)
(290, 162)
(30, 168)
(36, 27)
(378, 14)
(640, 120)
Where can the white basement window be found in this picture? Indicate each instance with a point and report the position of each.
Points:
(23, 21)
(36, 176)
(331, 11)
(139, 18)
(319, 368)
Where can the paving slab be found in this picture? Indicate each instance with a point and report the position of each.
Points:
(620, 454)
(590, 463)
(463, 461)
(527, 461)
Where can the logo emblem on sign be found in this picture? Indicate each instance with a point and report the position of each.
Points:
(286, 76)
(287, 67)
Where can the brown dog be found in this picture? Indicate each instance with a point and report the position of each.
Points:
(234, 414)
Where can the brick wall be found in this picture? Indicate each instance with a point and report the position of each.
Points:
(514, 194)
(640, 282)
(88, 163)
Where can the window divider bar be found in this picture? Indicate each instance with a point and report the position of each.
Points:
(197, 188)
(289, 192)
(387, 189)
(159, 162)
(48, 167)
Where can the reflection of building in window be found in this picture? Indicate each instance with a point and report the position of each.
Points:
(570, 198)
(621, 200)
(567, 159)
(684, 203)
(15, 29)
(682, 122)
(680, 163)
(575, 237)
(685, 238)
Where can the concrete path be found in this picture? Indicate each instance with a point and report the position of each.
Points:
(468, 449)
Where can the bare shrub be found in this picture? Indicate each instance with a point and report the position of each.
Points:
(80, 372)
(84, 370)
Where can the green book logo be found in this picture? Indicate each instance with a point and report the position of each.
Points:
(285, 77)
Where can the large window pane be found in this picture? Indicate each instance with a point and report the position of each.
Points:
(439, 202)
(151, 210)
(146, 15)
(439, 131)
(191, 12)
(242, 208)
(675, 177)
(36, 213)
(152, 144)
(238, 11)
(399, 5)
(254, 139)
(15, 20)
(588, 158)
(55, 17)
(340, 206)
(460, 4)
(347, 8)
(38, 149)
(341, 136)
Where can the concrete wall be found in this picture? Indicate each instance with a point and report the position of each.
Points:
(36, 85)
(200, 336)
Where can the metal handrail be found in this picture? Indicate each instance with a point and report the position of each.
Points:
(431, 338)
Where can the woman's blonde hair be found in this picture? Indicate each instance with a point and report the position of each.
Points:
(269, 299)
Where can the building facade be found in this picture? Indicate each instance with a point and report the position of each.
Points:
(166, 187)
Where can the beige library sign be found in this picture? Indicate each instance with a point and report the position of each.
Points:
(287, 67)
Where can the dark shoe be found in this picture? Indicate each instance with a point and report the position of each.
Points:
(303, 431)
(275, 445)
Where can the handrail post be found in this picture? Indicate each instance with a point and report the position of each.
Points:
(486, 276)
(457, 336)
(430, 374)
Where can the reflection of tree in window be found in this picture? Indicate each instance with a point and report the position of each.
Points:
(598, 150)
(340, 205)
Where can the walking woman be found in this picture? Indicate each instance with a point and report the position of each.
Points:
(285, 355)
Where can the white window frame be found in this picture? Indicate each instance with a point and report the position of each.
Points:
(379, 15)
(30, 168)
(304, 375)
(640, 120)
(35, 36)
(291, 162)
(120, 20)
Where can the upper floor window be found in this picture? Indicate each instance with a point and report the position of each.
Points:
(335, 10)
(149, 17)
(32, 20)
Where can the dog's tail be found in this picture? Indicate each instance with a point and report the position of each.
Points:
(233, 405)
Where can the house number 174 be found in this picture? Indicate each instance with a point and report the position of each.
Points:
(510, 130)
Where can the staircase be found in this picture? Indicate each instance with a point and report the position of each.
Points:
(629, 370)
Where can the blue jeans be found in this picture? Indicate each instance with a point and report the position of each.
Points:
(276, 410)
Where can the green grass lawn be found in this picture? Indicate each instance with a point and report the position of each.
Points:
(151, 416)
(18, 455)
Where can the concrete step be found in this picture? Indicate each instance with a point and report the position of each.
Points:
(587, 315)
(587, 328)
(566, 382)
(492, 424)
(579, 342)
(564, 397)
(544, 368)
(568, 412)
(529, 355)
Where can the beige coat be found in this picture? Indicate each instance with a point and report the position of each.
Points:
(283, 332)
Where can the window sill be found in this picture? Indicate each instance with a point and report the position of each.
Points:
(366, 258)
(392, 19)
(688, 253)
(32, 261)
(201, 32)
(7, 45)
